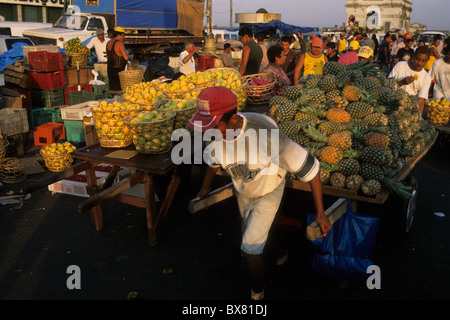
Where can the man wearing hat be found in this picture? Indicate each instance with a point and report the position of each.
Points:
(365, 54)
(99, 44)
(351, 56)
(117, 58)
(258, 174)
(311, 62)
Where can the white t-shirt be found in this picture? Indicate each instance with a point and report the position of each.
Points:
(189, 66)
(419, 87)
(258, 166)
(440, 72)
(100, 48)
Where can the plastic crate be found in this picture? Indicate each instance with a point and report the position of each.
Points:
(100, 88)
(205, 63)
(45, 61)
(46, 80)
(78, 111)
(13, 121)
(74, 131)
(48, 133)
(84, 96)
(84, 87)
(47, 98)
(44, 115)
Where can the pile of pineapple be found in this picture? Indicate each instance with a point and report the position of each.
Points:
(355, 120)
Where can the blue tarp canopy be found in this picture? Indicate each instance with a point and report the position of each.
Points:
(282, 27)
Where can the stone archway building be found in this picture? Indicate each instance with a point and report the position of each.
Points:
(380, 14)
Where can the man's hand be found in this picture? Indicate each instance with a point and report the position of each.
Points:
(408, 80)
(202, 193)
(324, 224)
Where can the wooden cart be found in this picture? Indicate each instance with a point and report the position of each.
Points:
(145, 168)
(407, 206)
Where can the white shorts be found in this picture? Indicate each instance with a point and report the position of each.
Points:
(257, 218)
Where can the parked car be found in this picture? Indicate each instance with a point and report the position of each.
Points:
(428, 38)
(15, 28)
(6, 42)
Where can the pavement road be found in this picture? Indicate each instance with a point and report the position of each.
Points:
(198, 256)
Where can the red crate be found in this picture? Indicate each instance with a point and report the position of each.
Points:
(84, 87)
(49, 133)
(205, 63)
(46, 80)
(45, 61)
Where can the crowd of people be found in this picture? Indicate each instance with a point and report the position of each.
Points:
(400, 56)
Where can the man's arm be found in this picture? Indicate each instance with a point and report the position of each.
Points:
(186, 59)
(245, 55)
(207, 180)
(321, 218)
(298, 69)
(123, 51)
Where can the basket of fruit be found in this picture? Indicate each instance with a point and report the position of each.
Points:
(152, 131)
(184, 110)
(57, 156)
(129, 77)
(77, 53)
(259, 88)
(201, 79)
(111, 128)
(438, 111)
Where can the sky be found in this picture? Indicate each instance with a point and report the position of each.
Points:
(325, 13)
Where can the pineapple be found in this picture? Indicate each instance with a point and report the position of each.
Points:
(373, 155)
(333, 67)
(367, 84)
(352, 93)
(376, 119)
(338, 115)
(312, 80)
(331, 155)
(341, 140)
(339, 102)
(371, 172)
(301, 139)
(377, 140)
(290, 128)
(327, 83)
(277, 100)
(317, 95)
(325, 172)
(353, 182)
(332, 94)
(328, 127)
(371, 187)
(337, 179)
(348, 166)
(359, 110)
(292, 92)
(285, 112)
(308, 118)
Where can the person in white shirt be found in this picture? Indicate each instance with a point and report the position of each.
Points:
(186, 60)
(412, 77)
(99, 44)
(440, 72)
(257, 172)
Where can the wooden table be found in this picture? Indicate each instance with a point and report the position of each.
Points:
(145, 166)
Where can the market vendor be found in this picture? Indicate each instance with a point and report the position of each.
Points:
(187, 58)
(259, 186)
(412, 77)
(275, 71)
(117, 58)
(311, 62)
(99, 44)
(252, 53)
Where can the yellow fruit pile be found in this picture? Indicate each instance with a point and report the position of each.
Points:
(57, 156)
(152, 131)
(111, 128)
(438, 111)
(144, 94)
(184, 110)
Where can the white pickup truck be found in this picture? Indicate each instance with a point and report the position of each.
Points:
(69, 26)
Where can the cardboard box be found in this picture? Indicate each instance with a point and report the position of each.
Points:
(90, 134)
(12, 99)
(71, 75)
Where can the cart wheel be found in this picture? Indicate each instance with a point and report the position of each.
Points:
(410, 206)
(400, 212)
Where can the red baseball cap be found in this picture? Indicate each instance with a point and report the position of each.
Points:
(212, 103)
(317, 42)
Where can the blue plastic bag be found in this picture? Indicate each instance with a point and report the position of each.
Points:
(344, 253)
